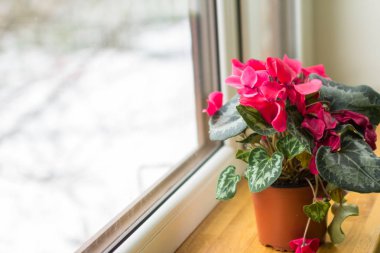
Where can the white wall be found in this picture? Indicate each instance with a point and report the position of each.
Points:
(347, 40)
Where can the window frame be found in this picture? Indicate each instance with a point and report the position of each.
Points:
(131, 221)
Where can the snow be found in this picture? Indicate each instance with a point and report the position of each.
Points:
(84, 133)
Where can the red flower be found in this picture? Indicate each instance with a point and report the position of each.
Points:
(332, 140)
(266, 86)
(315, 126)
(272, 110)
(215, 102)
(318, 120)
(304, 246)
(245, 76)
(280, 70)
(361, 121)
(313, 166)
(317, 69)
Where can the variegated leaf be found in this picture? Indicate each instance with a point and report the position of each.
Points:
(290, 146)
(226, 187)
(354, 167)
(226, 122)
(243, 155)
(317, 211)
(294, 128)
(263, 170)
(362, 99)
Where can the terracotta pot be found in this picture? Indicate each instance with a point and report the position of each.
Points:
(280, 217)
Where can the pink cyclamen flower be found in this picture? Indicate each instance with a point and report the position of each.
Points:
(305, 246)
(332, 140)
(316, 69)
(313, 166)
(215, 102)
(272, 110)
(279, 70)
(361, 121)
(318, 120)
(315, 126)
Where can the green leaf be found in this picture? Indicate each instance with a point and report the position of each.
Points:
(304, 159)
(294, 128)
(243, 155)
(252, 138)
(254, 120)
(317, 211)
(263, 169)
(226, 122)
(341, 212)
(362, 99)
(342, 130)
(227, 182)
(337, 194)
(354, 167)
(290, 146)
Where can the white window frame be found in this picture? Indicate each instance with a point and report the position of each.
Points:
(174, 221)
(170, 224)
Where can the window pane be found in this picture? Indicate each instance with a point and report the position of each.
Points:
(97, 104)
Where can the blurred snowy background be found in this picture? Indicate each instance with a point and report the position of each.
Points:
(96, 104)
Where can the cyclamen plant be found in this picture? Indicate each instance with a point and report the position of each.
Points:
(298, 126)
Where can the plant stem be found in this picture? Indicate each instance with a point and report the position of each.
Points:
(316, 186)
(323, 187)
(315, 197)
(304, 233)
(312, 188)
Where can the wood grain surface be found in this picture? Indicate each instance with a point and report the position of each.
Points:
(231, 227)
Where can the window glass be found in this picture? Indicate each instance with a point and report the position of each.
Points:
(97, 104)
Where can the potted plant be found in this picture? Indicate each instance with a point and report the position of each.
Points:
(306, 140)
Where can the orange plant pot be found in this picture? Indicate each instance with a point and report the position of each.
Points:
(280, 217)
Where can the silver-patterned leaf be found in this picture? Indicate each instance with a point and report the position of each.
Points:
(354, 167)
(226, 122)
(362, 99)
(294, 128)
(290, 146)
(263, 170)
(226, 187)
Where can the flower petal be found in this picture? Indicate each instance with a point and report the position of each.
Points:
(330, 122)
(272, 90)
(256, 64)
(311, 245)
(313, 166)
(309, 87)
(274, 113)
(293, 63)
(247, 92)
(279, 122)
(217, 98)
(262, 76)
(234, 81)
(277, 68)
(315, 126)
(237, 67)
(361, 121)
(332, 140)
(248, 77)
(215, 102)
(316, 69)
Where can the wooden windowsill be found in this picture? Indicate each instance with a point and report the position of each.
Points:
(231, 227)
